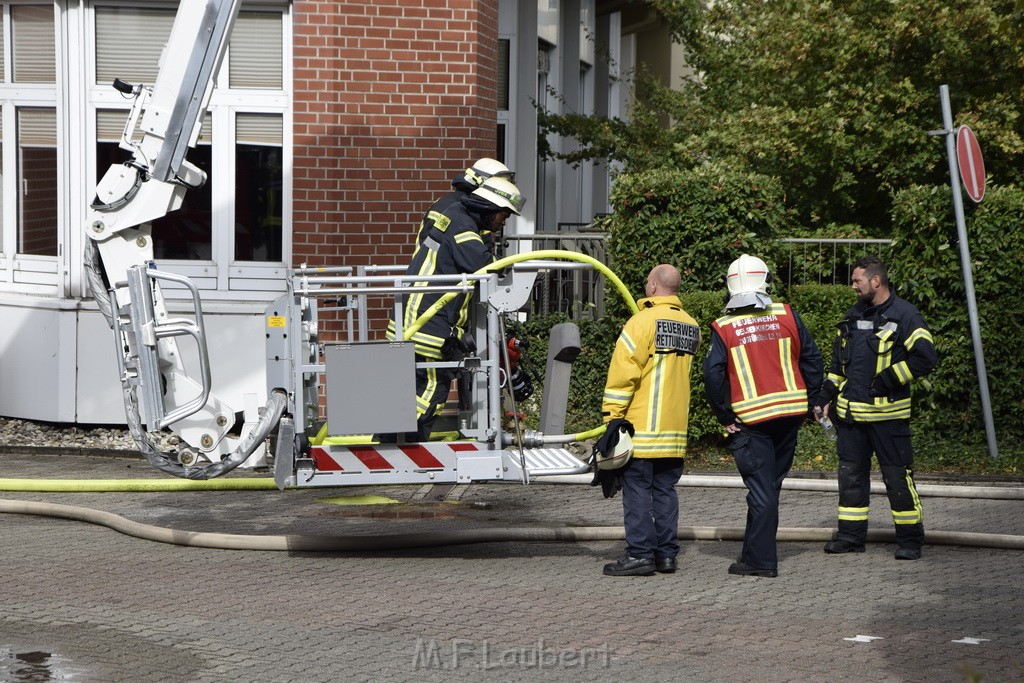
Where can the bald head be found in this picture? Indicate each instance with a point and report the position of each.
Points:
(663, 281)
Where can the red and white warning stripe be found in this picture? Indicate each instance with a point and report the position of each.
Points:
(390, 457)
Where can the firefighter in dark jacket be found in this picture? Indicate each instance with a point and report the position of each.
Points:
(761, 376)
(459, 240)
(882, 345)
(462, 185)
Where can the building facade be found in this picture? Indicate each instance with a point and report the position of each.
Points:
(333, 126)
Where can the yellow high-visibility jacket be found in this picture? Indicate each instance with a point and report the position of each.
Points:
(649, 377)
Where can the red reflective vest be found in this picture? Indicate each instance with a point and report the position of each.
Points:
(764, 363)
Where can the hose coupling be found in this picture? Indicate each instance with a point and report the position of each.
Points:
(531, 439)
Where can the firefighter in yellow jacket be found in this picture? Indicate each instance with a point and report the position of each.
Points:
(649, 387)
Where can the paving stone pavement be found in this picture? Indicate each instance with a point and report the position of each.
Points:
(82, 602)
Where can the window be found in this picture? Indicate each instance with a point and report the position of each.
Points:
(30, 194)
(182, 234)
(59, 114)
(504, 97)
(229, 234)
(33, 47)
(129, 41)
(503, 73)
(256, 50)
(258, 173)
(37, 170)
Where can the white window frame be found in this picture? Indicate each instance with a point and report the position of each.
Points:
(221, 278)
(26, 273)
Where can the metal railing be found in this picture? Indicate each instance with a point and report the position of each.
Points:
(826, 261)
(580, 293)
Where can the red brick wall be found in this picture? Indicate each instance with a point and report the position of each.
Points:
(392, 99)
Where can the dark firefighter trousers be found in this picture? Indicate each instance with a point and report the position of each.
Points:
(890, 442)
(650, 506)
(763, 454)
(432, 388)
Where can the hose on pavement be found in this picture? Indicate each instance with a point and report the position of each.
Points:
(434, 539)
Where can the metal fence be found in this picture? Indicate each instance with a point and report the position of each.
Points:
(826, 261)
(580, 293)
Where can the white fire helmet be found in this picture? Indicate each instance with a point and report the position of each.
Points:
(748, 280)
(620, 455)
(502, 194)
(488, 168)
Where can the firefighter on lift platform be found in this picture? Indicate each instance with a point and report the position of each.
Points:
(761, 375)
(462, 185)
(882, 345)
(460, 240)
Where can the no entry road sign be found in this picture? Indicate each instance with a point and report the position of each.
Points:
(972, 166)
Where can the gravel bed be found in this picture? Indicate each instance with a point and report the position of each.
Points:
(28, 434)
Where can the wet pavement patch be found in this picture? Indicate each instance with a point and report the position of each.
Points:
(35, 667)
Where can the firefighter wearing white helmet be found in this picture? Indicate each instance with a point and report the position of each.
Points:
(463, 184)
(761, 374)
(459, 240)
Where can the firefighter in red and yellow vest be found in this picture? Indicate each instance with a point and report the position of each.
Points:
(761, 375)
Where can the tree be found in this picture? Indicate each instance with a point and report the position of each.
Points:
(833, 98)
(812, 118)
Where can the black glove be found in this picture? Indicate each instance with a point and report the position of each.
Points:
(457, 347)
(826, 395)
(884, 383)
(609, 480)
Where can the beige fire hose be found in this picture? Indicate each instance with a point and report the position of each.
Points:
(433, 539)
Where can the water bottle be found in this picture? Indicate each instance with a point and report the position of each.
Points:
(830, 429)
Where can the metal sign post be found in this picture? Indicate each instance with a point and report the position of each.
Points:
(965, 264)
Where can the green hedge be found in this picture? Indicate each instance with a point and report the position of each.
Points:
(821, 307)
(926, 270)
(699, 220)
(586, 382)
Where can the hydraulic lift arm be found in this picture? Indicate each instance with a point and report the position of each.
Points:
(159, 393)
(119, 258)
